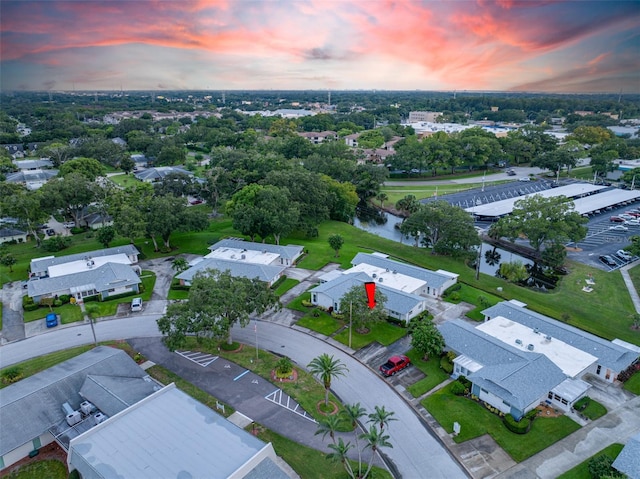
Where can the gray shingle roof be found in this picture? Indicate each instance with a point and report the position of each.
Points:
(31, 164)
(289, 252)
(8, 232)
(263, 272)
(609, 354)
(33, 405)
(518, 377)
(160, 172)
(40, 265)
(107, 276)
(433, 278)
(397, 301)
(30, 175)
(628, 461)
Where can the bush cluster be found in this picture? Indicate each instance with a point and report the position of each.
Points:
(11, 375)
(57, 243)
(28, 304)
(519, 427)
(446, 365)
(458, 388)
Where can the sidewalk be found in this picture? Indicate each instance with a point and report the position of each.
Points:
(635, 298)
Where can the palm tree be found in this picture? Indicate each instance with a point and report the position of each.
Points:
(382, 197)
(180, 264)
(353, 413)
(382, 417)
(375, 440)
(329, 426)
(339, 454)
(327, 368)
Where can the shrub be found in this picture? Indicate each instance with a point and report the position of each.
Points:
(284, 367)
(458, 388)
(57, 303)
(451, 356)
(56, 243)
(337, 315)
(315, 313)
(306, 303)
(64, 298)
(76, 230)
(455, 296)
(531, 415)
(600, 466)
(280, 280)
(455, 287)
(11, 375)
(446, 365)
(465, 382)
(519, 427)
(582, 403)
(229, 347)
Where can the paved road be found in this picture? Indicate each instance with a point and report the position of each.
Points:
(416, 453)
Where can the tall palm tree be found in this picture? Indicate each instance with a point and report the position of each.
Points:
(327, 368)
(339, 454)
(382, 417)
(352, 413)
(375, 440)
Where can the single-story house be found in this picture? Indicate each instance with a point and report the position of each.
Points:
(33, 411)
(158, 173)
(511, 379)
(170, 434)
(352, 140)
(628, 461)
(12, 234)
(59, 265)
(610, 358)
(260, 253)
(16, 150)
(318, 137)
(30, 165)
(32, 179)
(96, 221)
(238, 268)
(403, 276)
(399, 304)
(109, 279)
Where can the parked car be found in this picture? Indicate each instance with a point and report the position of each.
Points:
(625, 216)
(524, 178)
(50, 232)
(619, 228)
(511, 173)
(136, 305)
(617, 219)
(608, 260)
(69, 224)
(51, 320)
(625, 255)
(394, 364)
(635, 222)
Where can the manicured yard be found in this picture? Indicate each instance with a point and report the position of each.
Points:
(385, 333)
(633, 384)
(69, 313)
(481, 299)
(581, 471)
(435, 375)
(285, 286)
(323, 324)
(125, 180)
(310, 463)
(593, 409)
(475, 421)
(49, 469)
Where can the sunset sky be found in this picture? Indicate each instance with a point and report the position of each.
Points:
(531, 45)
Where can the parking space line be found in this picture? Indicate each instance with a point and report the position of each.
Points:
(284, 400)
(240, 375)
(201, 359)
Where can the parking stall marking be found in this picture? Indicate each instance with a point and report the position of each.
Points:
(283, 400)
(203, 359)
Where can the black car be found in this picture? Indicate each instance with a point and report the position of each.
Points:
(608, 260)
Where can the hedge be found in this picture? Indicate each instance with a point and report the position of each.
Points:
(519, 427)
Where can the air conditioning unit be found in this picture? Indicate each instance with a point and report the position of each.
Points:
(530, 347)
(87, 408)
(100, 417)
(74, 418)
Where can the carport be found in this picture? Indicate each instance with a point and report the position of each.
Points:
(611, 198)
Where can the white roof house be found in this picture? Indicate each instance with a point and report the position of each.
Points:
(171, 435)
(41, 266)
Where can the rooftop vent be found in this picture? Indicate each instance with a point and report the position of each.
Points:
(74, 418)
(519, 341)
(547, 337)
(537, 331)
(530, 347)
(374, 275)
(100, 417)
(387, 270)
(395, 272)
(242, 256)
(380, 280)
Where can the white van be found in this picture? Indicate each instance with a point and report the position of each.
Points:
(136, 305)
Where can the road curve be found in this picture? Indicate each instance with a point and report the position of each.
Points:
(416, 453)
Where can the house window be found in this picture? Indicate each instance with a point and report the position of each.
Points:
(112, 290)
(564, 401)
(315, 298)
(483, 391)
(608, 375)
(598, 369)
(550, 395)
(556, 397)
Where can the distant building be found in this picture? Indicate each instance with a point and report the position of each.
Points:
(151, 175)
(352, 140)
(12, 234)
(319, 137)
(429, 116)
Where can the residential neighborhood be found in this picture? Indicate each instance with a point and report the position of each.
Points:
(220, 286)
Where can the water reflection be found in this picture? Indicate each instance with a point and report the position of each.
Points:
(489, 266)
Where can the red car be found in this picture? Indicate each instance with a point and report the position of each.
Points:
(394, 364)
(617, 219)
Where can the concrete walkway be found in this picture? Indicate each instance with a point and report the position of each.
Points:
(624, 271)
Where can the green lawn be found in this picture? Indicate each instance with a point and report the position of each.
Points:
(384, 333)
(49, 469)
(633, 384)
(323, 324)
(475, 296)
(594, 409)
(435, 375)
(475, 421)
(110, 306)
(296, 304)
(581, 471)
(69, 313)
(285, 286)
(310, 463)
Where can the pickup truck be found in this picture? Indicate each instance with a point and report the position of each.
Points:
(394, 364)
